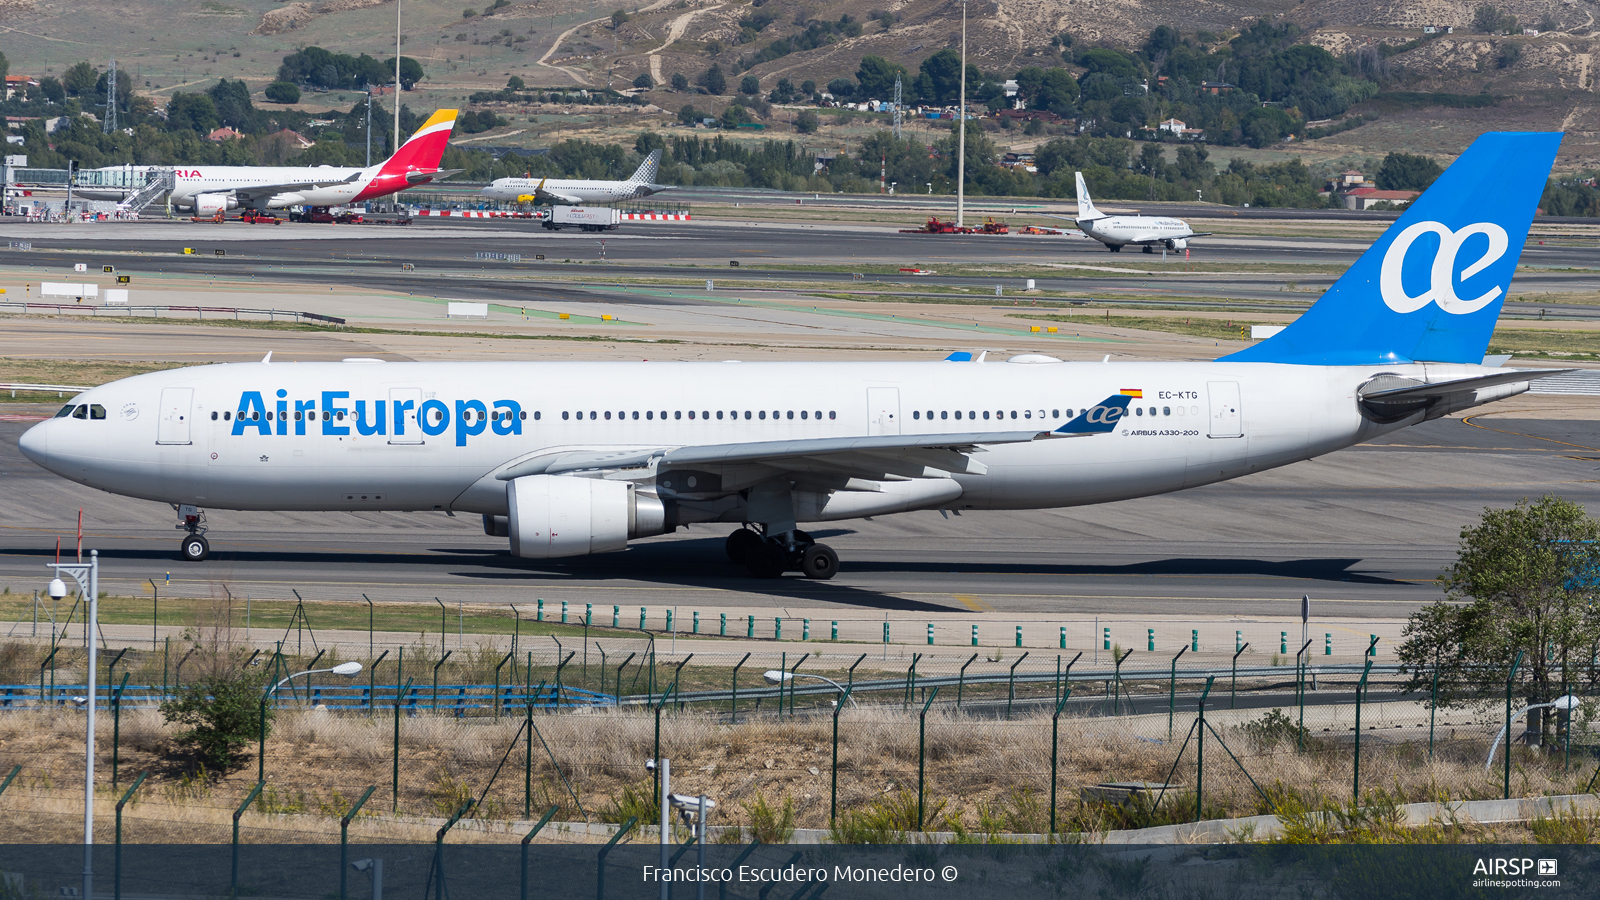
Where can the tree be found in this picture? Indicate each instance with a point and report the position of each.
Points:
(232, 102)
(680, 82)
(688, 115)
(282, 92)
(876, 76)
(842, 88)
(750, 85)
(714, 81)
(515, 83)
(808, 87)
(192, 112)
(735, 115)
(80, 79)
(1489, 19)
(1407, 172)
(644, 81)
(5, 66)
(807, 122)
(1111, 62)
(222, 714)
(619, 18)
(1525, 580)
(939, 77)
(410, 72)
(53, 90)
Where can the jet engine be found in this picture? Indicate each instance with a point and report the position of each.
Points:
(211, 204)
(553, 516)
(1177, 243)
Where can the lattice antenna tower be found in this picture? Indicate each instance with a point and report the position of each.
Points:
(109, 125)
(897, 107)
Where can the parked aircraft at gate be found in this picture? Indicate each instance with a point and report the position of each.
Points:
(211, 189)
(572, 458)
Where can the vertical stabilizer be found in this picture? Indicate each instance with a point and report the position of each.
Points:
(423, 150)
(647, 169)
(1431, 287)
(1086, 210)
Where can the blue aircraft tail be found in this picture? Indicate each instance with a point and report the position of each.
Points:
(1098, 419)
(1431, 288)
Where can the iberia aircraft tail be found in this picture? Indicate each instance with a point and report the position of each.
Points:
(417, 160)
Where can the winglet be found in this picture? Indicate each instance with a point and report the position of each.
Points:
(1099, 419)
(267, 358)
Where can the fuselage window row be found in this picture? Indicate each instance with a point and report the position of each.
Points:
(705, 414)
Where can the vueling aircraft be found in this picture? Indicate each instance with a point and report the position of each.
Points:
(581, 191)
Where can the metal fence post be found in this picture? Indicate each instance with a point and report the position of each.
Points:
(116, 726)
(1011, 684)
(344, 839)
(833, 796)
(1511, 678)
(438, 846)
(497, 668)
(1200, 753)
(1233, 685)
(1172, 691)
(1055, 732)
(233, 881)
(961, 678)
(117, 880)
(600, 873)
(1361, 690)
(399, 700)
(434, 706)
(1433, 708)
(1302, 662)
(922, 755)
(526, 839)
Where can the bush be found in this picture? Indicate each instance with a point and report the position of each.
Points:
(515, 83)
(282, 92)
(680, 81)
(714, 81)
(644, 81)
(688, 115)
(750, 85)
(222, 715)
(807, 122)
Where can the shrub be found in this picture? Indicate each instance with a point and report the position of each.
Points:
(282, 92)
(222, 714)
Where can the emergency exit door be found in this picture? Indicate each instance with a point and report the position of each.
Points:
(883, 410)
(1226, 419)
(173, 425)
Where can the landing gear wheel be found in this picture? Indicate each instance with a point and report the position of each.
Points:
(195, 548)
(767, 560)
(1114, 248)
(741, 545)
(819, 562)
(1149, 249)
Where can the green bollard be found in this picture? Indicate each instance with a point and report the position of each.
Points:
(642, 612)
(930, 634)
(1372, 648)
(974, 635)
(777, 628)
(722, 624)
(750, 628)
(835, 631)
(588, 614)
(616, 617)
(1150, 636)
(1019, 635)
(541, 611)
(1238, 641)
(1108, 638)
(1194, 640)
(563, 612)
(1283, 642)
(1327, 643)
(669, 621)
(1063, 637)
(805, 629)
(697, 621)
(886, 632)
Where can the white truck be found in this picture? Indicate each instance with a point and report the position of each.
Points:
(588, 218)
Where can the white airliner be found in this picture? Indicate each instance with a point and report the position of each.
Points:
(573, 458)
(1117, 232)
(208, 190)
(578, 192)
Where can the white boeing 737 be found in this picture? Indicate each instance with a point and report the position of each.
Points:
(580, 191)
(1117, 232)
(573, 458)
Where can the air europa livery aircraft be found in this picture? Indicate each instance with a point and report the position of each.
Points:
(572, 458)
(211, 189)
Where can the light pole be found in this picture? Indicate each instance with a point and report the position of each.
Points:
(961, 119)
(87, 575)
(348, 669)
(395, 147)
(777, 677)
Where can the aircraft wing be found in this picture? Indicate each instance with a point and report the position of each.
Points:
(543, 193)
(268, 191)
(421, 177)
(875, 457)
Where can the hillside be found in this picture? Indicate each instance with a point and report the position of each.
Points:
(1547, 81)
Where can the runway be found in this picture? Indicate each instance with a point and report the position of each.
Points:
(1364, 532)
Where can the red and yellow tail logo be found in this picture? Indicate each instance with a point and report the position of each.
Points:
(1135, 393)
(425, 148)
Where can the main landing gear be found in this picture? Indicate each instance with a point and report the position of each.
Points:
(194, 548)
(770, 557)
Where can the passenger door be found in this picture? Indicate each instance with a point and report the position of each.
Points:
(173, 425)
(883, 410)
(409, 430)
(1226, 419)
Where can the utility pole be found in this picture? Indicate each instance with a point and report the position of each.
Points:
(396, 146)
(961, 119)
(369, 126)
(897, 101)
(109, 124)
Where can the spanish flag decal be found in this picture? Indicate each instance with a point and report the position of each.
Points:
(1133, 392)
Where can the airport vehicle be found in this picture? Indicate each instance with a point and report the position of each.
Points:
(573, 458)
(586, 218)
(580, 191)
(325, 215)
(1117, 232)
(208, 190)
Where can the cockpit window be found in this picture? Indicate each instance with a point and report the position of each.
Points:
(81, 412)
(96, 411)
(66, 410)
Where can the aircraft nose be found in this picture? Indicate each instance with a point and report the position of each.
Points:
(35, 443)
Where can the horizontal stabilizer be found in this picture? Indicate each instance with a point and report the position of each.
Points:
(1393, 396)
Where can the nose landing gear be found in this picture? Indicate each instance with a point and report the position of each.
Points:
(194, 548)
(770, 557)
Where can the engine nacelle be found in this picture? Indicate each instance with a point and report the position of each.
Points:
(211, 204)
(1177, 243)
(552, 516)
